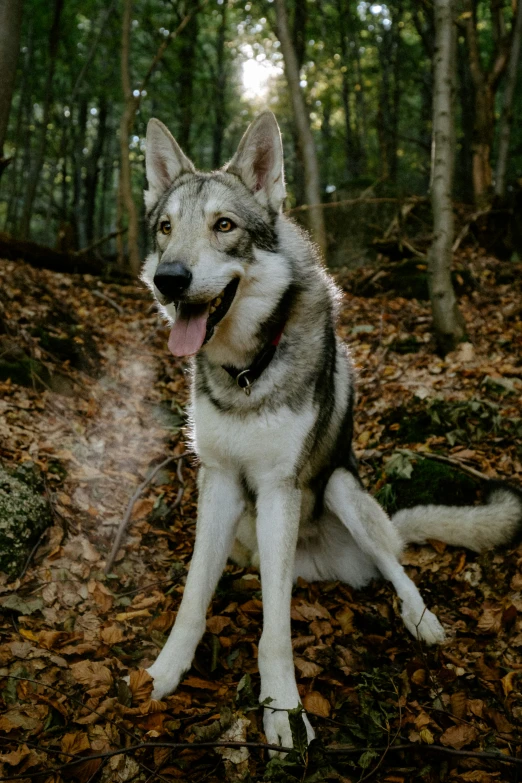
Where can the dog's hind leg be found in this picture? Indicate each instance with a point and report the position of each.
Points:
(376, 535)
(278, 512)
(220, 506)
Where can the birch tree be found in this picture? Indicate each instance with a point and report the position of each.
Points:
(448, 323)
(506, 118)
(304, 132)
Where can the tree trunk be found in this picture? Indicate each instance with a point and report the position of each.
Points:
(485, 84)
(448, 323)
(10, 26)
(351, 163)
(506, 118)
(125, 198)
(389, 99)
(36, 168)
(302, 121)
(186, 78)
(80, 128)
(218, 130)
(93, 170)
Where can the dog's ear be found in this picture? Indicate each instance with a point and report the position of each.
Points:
(259, 161)
(164, 161)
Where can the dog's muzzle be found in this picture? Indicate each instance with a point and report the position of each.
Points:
(172, 279)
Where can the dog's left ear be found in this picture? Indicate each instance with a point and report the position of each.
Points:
(259, 161)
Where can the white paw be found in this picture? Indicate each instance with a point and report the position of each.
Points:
(424, 626)
(278, 731)
(164, 683)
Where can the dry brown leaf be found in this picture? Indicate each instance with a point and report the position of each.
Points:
(92, 674)
(75, 742)
(345, 619)
(163, 621)
(140, 684)
(101, 595)
(426, 736)
(217, 624)
(197, 682)
(122, 616)
(507, 682)
(307, 668)
(459, 736)
(316, 704)
(113, 634)
(151, 706)
(419, 677)
(490, 620)
(15, 756)
(458, 703)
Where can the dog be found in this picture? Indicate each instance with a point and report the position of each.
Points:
(271, 412)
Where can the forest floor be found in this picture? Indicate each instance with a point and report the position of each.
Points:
(69, 634)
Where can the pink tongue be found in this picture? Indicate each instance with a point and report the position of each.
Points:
(188, 333)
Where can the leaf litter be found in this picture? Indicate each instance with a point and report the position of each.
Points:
(70, 635)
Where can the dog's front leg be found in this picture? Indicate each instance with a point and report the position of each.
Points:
(278, 511)
(220, 505)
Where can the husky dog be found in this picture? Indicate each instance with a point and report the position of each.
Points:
(271, 411)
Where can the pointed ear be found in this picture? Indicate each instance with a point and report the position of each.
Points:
(164, 161)
(259, 161)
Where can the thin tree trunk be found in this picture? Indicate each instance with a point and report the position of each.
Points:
(485, 83)
(41, 145)
(10, 26)
(351, 162)
(78, 159)
(302, 121)
(506, 118)
(125, 199)
(93, 170)
(218, 130)
(186, 78)
(448, 323)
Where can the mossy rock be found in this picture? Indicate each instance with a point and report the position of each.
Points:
(461, 422)
(430, 482)
(24, 515)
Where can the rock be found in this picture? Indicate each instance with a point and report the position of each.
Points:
(24, 515)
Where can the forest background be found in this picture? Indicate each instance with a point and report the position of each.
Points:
(92, 405)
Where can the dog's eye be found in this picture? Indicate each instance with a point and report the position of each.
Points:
(224, 225)
(165, 227)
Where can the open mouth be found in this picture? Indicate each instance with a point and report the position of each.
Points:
(195, 323)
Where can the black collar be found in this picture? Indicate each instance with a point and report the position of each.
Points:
(245, 378)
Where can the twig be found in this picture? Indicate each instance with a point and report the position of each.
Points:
(347, 751)
(456, 463)
(109, 301)
(125, 521)
(31, 554)
(98, 242)
(351, 201)
(464, 231)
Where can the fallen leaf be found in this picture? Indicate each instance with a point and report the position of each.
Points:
(459, 736)
(316, 704)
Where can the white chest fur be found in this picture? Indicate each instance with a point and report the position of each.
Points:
(263, 446)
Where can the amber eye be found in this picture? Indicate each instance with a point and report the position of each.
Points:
(165, 227)
(224, 225)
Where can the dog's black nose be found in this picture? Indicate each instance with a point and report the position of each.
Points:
(172, 279)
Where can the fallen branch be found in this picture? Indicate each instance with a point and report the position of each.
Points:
(125, 521)
(109, 301)
(346, 751)
(456, 463)
(350, 201)
(86, 250)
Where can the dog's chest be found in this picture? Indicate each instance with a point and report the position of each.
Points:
(266, 445)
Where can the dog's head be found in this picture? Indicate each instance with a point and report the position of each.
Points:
(206, 228)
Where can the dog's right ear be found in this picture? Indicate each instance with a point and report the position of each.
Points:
(164, 161)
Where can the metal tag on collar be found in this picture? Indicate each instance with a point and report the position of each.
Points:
(243, 382)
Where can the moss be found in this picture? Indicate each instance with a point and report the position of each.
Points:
(24, 515)
(431, 482)
(25, 372)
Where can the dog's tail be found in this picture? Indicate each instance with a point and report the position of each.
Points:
(474, 527)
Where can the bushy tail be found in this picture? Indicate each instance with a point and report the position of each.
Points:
(474, 527)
